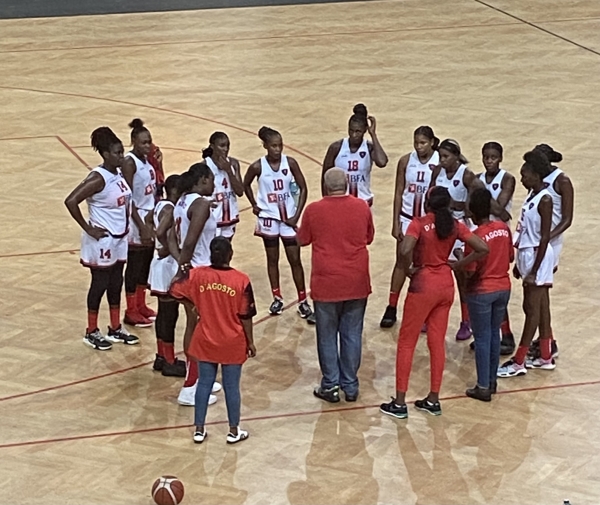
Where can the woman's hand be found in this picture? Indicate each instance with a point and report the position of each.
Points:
(251, 350)
(96, 232)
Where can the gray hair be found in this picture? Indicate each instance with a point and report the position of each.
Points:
(335, 180)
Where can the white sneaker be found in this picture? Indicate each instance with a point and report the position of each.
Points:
(234, 439)
(199, 436)
(187, 396)
(511, 369)
(542, 364)
(216, 388)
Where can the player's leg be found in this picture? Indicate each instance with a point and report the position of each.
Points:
(98, 286)
(116, 332)
(464, 332)
(166, 322)
(146, 256)
(292, 253)
(398, 277)
(135, 259)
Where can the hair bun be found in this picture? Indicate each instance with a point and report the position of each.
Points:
(360, 109)
(136, 123)
(552, 155)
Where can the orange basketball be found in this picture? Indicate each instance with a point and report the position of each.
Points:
(168, 490)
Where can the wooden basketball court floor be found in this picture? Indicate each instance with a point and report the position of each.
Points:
(78, 426)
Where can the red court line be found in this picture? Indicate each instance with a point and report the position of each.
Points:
(108, 374)
(72, 151)
(18, 255)
(268, 417)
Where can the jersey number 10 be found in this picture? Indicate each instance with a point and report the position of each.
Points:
(278, 184)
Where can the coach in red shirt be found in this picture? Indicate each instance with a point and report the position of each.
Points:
(339, 227)
(488, 292)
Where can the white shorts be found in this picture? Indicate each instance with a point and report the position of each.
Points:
(226, 231)
(526, 259)
(272, 228)
(102, 253)
(557, 245)
(134, 232)
(161, 275)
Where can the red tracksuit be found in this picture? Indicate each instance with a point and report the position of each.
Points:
(430, 296)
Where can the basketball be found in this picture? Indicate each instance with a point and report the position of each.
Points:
(168, 490)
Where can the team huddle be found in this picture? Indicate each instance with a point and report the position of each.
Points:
(450, 225)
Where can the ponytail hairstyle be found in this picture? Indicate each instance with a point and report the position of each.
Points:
(438, 202)
(427, 131)
(552, 155)
(220, 252)
(537, 162)
(208, 152)
(137, 127)
(454, 147)
(493, 145)
(359, 115)
(103, 139)
(265, 133)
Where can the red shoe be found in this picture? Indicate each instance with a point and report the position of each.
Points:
(147, 312)
(136, 319)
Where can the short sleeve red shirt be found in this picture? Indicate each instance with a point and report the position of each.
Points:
(431, 254)
(223, 297)
(491, 273)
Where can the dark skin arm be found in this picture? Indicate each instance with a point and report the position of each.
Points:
(172, 244)
(165, 223)
(471, 182)
(128, 169)
(545, 212)
(377, 153)
(398, 191)
(506, 193)
(479, 251)
(92, 184)
(252, 173)
(406, 251)
(198, 213)
(232, 169)
(329, 162)
(248, 330)
(299, 178)
(564, 187)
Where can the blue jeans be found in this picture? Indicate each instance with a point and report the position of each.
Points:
(340, 367)
(487, 311)
(231, 374)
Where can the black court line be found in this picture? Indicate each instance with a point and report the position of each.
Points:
(537, 27)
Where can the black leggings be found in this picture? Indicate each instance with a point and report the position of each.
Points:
(138, 267)
(105, 280)
(166, 320)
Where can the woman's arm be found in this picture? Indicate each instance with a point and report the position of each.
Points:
(165, 223)
(128, 169)
(329, 162)
(398, 192)
(252, 173)
(198, 213)
(377, 153)
(92, 184)
(299, 178)
(566, 191)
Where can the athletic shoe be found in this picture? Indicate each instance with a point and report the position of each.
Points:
(542, 364)
(175, 369)
(331, 395)
(534, 349)
(511, 369)
(216, 387)
(199, 436)
(312, 319)
(95, 340)
(351, 398)
(187, 396)
(240, 437)
(507, 344)
(306, 312)
(389, 317)
(159, 363)
(276, 307)
(147, 312)
(136, 319)
(434, 408)
(472, 345)
(464, 332)
(121, 335)
(394, 410)
(477, 393)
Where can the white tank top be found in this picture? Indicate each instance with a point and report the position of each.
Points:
(155, 218)
(549, 181)
(456, 187)
(274, 196)
(357, 166)
(416, 184)
(529, 228)
(110, 208)
(144, 183)
(201, 255)
(495, 188)
(226, 211)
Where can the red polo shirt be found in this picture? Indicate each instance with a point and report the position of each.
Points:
(339, 228)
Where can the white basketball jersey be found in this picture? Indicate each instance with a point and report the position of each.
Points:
(357, 166)
(416, 184)
(109, 208)
(495, 188)
(274, 196)
(201, 255)
(144, 183)
(160, 206)
(529, 228)
(549, 181)
(226, 211)
(456, 187)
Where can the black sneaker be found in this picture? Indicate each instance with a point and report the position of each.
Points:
(121, 335)
(176, 369)
(159, 363)
(331, 395)
(493, 387)
(95, 340)
(485, 395)
(276, 307)
(435, 409)
(535, 352)
(389, 317)
(394, 410)
(351, 398)
(507, 345)
(306, 312)
(472, 345)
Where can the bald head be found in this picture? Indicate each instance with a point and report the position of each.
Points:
(335, 181)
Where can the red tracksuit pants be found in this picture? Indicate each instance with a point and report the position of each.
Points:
(431, 306)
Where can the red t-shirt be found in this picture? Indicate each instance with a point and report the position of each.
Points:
(491, 272)
(339, 229)
(222, 298)
(431, 254)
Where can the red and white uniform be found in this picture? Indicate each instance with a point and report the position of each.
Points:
(357, 166)
(527, 240)
(557, 242)
(144, 193)
(495, 188)
(201, 255)
(162, 270)
(416, 185)
(108, 209)
(226, 211)
(274, 198)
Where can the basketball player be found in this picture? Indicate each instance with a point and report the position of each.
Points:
(535, 265)
(413, 178)
(155, 158)
(278, 215)
(228, 183)
(355, 155)
(104, 237)
(162, 270)
(195, 226)
(141, 178)
(428, 242)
